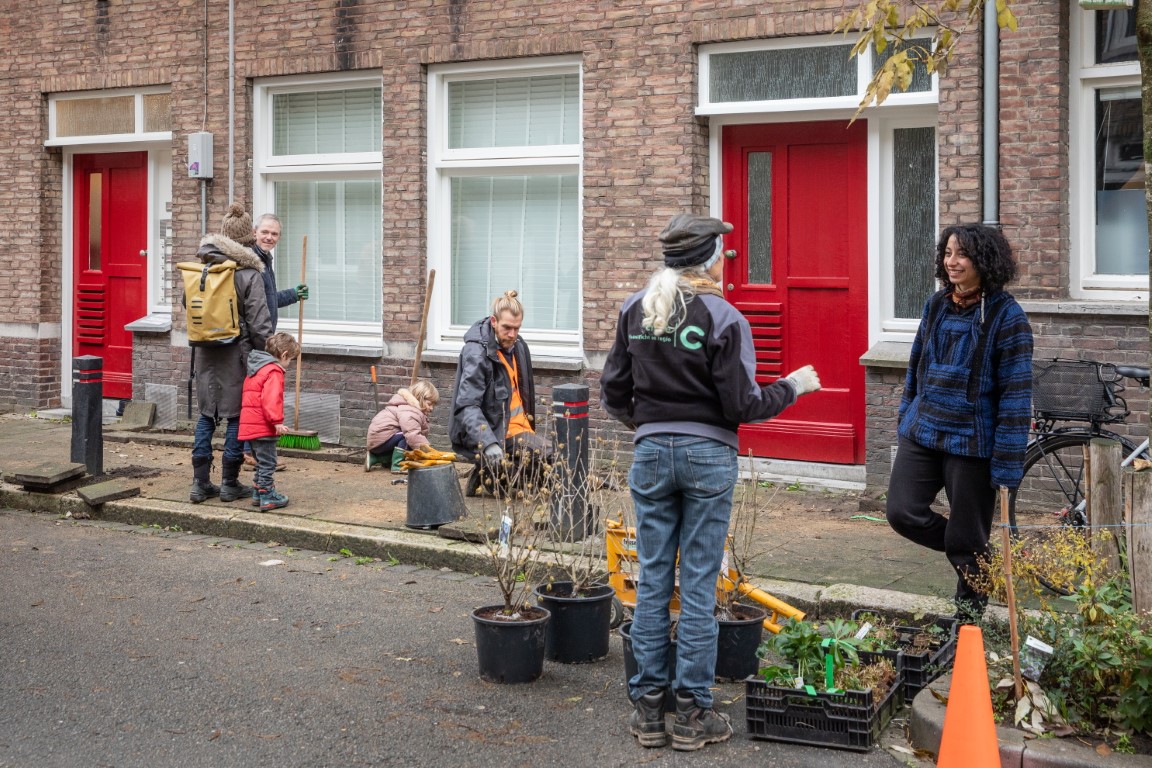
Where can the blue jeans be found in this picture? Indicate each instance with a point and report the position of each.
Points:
(264, 451)
(202, 439)
(682, 492)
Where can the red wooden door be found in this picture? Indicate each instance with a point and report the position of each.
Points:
(110, 260)
(797, 196)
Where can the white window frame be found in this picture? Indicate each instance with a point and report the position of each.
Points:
(1086, 78)
(900, 110)
(352, 166)
(864, 65)
(882, 291)
(444, 164)
(138, 134)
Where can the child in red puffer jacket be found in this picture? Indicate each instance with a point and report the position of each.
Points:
(262, 414)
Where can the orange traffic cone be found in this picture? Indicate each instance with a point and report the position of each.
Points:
(969, 738)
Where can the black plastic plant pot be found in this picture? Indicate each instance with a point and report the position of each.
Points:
(581, 623)
(510, 650)
(738, 642)
(625, 631)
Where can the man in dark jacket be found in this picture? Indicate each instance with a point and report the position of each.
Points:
(267, 235)
(493, 402)
(220, 370)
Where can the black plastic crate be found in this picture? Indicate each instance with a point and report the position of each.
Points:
(844, 720)
(921, 668)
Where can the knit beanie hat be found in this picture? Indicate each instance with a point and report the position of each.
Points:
(690, 241)
(237, 225)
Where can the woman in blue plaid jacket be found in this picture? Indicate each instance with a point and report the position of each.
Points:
(966, 409)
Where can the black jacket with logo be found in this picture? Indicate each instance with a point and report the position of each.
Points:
(699, 379)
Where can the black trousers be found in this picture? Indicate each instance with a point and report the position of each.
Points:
(918, 475)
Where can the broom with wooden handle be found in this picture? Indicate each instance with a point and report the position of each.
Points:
(296, 437)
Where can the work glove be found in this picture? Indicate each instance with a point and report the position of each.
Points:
(301, 292)
(493, 455)
(429, 456)
(804, 380)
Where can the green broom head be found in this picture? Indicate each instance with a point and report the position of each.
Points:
(305, 441)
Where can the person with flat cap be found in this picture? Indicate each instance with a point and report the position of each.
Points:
(682, 373)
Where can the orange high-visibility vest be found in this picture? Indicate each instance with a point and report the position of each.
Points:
(518, 420)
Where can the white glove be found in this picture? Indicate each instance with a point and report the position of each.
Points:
(804, 380)
(493, 454)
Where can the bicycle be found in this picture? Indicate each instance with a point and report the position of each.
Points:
(1063, 391)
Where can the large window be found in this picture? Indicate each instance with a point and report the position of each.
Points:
(504, 198)
(318, 167)
(1109, 216)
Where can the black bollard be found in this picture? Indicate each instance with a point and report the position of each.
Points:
(570, 514)
(88, 413)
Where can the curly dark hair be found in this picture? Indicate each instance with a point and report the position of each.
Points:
(988, 250)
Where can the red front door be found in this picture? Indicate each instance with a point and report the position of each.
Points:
(110, 260)
(797, 195)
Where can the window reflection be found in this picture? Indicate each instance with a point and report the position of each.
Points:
(1116, 35)
(95, 205)
(760, 218)
(1121, 217)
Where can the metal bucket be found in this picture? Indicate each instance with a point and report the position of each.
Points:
(434, 497)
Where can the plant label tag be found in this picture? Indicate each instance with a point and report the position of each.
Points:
(865, 628)
(505, 535)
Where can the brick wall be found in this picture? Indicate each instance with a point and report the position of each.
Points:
(645, 154)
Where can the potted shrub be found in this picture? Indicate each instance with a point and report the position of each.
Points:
(510, 635)
(741, 624)
(817, 687)
(578, 598)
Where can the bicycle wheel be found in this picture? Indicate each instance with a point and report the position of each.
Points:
(1050, 499)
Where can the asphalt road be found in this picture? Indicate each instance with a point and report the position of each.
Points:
(125, 646)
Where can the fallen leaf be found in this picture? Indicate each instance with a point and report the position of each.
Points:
(1103, 750)
(458, 641)
(272, 562)
(404, 658)
(939, 696)
(437, 609)
(215, 735)
(573, 699)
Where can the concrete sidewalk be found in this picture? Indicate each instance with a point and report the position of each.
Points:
(817, 549)
(822, 551)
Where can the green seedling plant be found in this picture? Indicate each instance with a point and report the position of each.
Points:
(799, 650)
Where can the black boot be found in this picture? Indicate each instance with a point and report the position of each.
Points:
(647, 720)
(230, 486)
(202, 486)
(695, 726)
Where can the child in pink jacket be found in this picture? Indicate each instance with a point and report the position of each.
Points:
(262, 414)
(401, 426)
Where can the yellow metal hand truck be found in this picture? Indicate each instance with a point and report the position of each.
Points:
(624, 567)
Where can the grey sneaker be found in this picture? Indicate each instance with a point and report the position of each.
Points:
(255, 496)
(234, 490)
(272, 499)
(695, 726)
(647, 721)
(202, 491)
